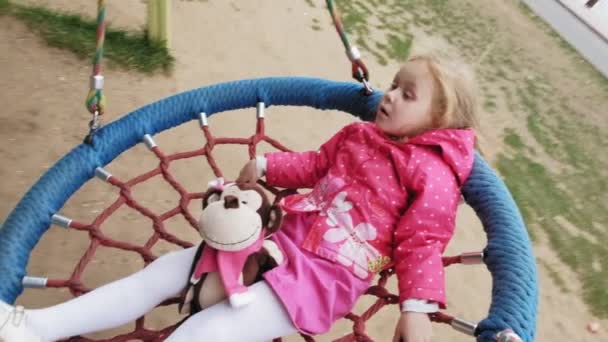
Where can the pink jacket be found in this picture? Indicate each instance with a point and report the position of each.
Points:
(381, 203)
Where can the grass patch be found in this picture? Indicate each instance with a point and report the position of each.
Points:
(546, 199)
(130, 50)
(533, 187)
(546, 204)
(399, 46)
(489, 105)
(576, 193)
(353, 21)
(396, 48)
(4, 7)
(396, 43)
(513, 140)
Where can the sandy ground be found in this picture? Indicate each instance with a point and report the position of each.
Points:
(43, 117)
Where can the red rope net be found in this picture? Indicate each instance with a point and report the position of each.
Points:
(98, 238)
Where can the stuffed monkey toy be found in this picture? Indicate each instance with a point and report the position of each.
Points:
(235, 221)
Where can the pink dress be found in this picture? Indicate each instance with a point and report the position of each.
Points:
(315, 292)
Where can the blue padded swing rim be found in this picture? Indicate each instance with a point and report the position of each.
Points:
(508, 253)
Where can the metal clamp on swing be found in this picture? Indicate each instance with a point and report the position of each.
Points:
(94, 125)
(353, 54)
(360, 74)
(359, 69)
(464, 326)
(97, 82)
(95, 105)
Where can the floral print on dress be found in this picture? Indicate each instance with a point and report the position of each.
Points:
(354, 250)
(336, 209)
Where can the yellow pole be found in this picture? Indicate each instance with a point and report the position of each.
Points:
(158, 21)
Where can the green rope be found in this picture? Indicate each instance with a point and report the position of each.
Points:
(338, 23)
(96, 101)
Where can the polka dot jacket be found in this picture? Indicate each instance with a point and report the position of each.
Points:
(381, 203)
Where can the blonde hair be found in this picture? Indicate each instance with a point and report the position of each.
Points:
(455, 102)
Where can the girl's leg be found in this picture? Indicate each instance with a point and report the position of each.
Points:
(262, 320)
(116, 303)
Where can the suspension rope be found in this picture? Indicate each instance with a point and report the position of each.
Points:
(96, 101)
(358, 69)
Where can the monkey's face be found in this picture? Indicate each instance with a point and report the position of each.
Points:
(231, 220)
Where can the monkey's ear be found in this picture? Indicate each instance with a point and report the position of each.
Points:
(212, 195)
(275, 217)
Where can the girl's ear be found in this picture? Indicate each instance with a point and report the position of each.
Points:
(212, 195)
(275, 217)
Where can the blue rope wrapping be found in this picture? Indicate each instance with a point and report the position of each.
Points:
(509, 255)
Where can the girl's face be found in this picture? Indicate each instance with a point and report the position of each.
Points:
(406, 108)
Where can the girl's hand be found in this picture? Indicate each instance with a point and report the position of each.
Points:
(413, 327)
(249, 173)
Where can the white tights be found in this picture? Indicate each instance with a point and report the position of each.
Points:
(127, 299)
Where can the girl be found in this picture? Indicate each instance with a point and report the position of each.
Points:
(384, 195)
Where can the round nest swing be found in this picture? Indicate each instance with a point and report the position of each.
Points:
(508, 254)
